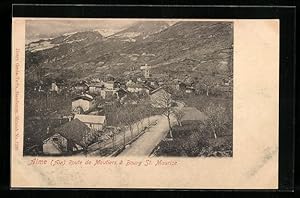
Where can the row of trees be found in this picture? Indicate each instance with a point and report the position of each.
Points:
(169, 108)
(131, 116)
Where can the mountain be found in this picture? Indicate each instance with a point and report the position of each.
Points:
(141, 30)
(38, 29)
(184, 48)
(48, 54)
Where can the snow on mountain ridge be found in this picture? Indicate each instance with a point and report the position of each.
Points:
(107, 32)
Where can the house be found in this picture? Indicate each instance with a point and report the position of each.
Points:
(153, 83)
(129, 82)
(189, 89)
(109, 77)
(103, 93)
(161, 83)
(95, 80)
(67, 139)
(192, 115)
(160, 98)
(134, 87)
(81, 86)
(108, 93)
(94, 122)
(140, 80)
(96, 88)
(54, 87)
(84, 101)
(109, 84)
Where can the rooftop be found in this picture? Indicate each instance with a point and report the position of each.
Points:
(90, 118)
(84, 97)
(80, 84)
(158, 89)
(74, 130)
(192, 113)
(96, 85)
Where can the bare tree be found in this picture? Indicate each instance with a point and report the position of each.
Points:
(149, 113)
(141, 115)
(163, 100)
(206, 83)
(217, 118)
(131, 122)
(120, 115)
(128, 119)
(178, 113)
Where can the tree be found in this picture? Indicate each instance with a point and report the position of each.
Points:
(90, 137)
(149, 111)
(206, 83)
(178, 113)
(120, 116)
(141, 113)
(164, 100)
(128, 119)
(194, 143)
(217, 118)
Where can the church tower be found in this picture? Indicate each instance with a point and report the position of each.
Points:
(146, 69)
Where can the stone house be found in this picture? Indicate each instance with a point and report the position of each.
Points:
(95, 122)
(81, 86)
(84, 101)
(96, 88)
(67, 139)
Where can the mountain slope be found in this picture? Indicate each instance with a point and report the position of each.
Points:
(141, 30)
(194, 48)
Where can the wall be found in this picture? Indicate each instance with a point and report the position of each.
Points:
(84, 104)
(52, 146)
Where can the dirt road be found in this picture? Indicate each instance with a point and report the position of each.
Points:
(145, 144)
(96, 148)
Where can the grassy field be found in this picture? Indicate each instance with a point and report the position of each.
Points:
(197, 139)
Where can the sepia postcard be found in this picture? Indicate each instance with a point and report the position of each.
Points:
(144, 103)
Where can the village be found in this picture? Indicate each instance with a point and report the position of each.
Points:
(105, 116)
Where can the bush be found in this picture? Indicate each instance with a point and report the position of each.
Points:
(188, 140)
(195, 142)
(219, 121)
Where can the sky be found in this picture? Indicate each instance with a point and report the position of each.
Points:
(38, 29)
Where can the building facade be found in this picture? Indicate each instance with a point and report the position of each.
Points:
(66, 139)
(94, 122)
(85, 102)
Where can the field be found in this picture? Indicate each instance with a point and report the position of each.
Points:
(210, 138)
